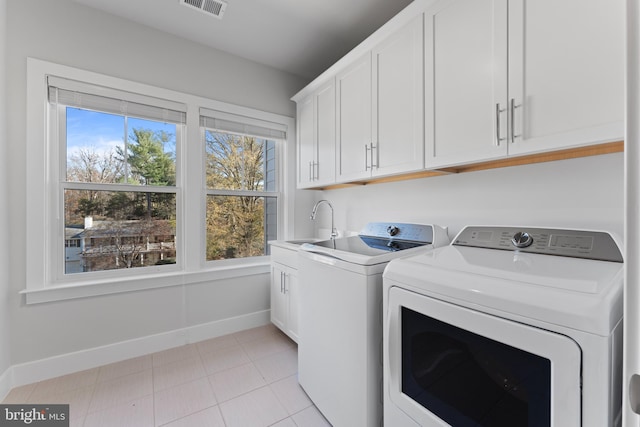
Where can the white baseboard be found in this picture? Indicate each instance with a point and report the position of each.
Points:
(39, 370)
(6, 383)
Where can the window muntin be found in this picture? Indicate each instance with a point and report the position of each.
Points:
(118, 185)
(242, 196)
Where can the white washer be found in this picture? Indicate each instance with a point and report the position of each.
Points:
(340, 340)
(504, 327)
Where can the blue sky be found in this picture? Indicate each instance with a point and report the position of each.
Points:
(102, 132)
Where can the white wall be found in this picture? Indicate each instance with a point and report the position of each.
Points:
(68, 33)
(4, 211)
(579, 193)
(65, 32)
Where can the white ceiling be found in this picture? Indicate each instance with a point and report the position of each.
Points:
(302, 37)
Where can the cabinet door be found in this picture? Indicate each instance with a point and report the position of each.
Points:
(466, 82)
(279, 303)
(398, 118)
(566, 73)
(294, 306)
(354, 120)
(325, 116)
(306, 143)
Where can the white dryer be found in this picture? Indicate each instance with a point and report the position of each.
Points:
(506, 327)
(340, 339)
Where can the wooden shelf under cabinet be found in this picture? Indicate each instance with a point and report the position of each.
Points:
(571, 153)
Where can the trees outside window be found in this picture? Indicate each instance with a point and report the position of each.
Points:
(119, 229)
(240, 191)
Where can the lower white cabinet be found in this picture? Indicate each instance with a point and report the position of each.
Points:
(284, 291)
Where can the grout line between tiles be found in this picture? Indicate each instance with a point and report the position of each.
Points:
(153, 394)
(264, 335)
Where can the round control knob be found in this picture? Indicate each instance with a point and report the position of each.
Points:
(522, 239)
(392, 230)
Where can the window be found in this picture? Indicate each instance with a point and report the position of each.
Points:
(125, 194)
(118, 180)
(241, 184)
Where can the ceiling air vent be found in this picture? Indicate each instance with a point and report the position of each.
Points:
(210, 7)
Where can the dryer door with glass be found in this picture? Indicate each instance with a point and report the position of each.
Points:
(451, 365)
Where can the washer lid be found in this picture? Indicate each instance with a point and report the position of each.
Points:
(364, 250)
(365, 245)
(381, 242)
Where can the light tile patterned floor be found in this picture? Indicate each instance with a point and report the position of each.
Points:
(246, 379)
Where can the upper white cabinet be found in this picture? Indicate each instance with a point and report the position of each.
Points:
(509, 77)
(325, 115)
(457, 82)
(398, 106)
(466, 81)
(307, 150)
(317, 137)
(354, 143)
(380, 108)
(566, 73)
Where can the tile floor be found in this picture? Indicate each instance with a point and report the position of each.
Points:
(245, 379)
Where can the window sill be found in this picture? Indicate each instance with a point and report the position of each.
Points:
(91, 289)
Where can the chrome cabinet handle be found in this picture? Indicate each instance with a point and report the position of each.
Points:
(498, 112)
(375, 147)
(282, 282)
(513, 120)
(366, 156)
(316, 173)
(313, 174)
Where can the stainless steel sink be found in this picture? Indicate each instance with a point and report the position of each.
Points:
(302, 241)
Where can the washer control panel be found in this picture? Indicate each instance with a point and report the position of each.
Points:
(411, 232)
(571, 243)
(392, 230)
(522, 239)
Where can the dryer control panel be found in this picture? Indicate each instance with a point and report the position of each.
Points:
(594, 245)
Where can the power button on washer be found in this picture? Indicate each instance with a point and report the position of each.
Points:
(522, 239)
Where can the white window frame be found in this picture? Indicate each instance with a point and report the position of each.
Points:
(45, 225)
(56, 142)
(224, 122)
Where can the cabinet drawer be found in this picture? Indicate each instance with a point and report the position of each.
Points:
(284, 256)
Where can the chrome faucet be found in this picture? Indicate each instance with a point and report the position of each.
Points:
(334, 232)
